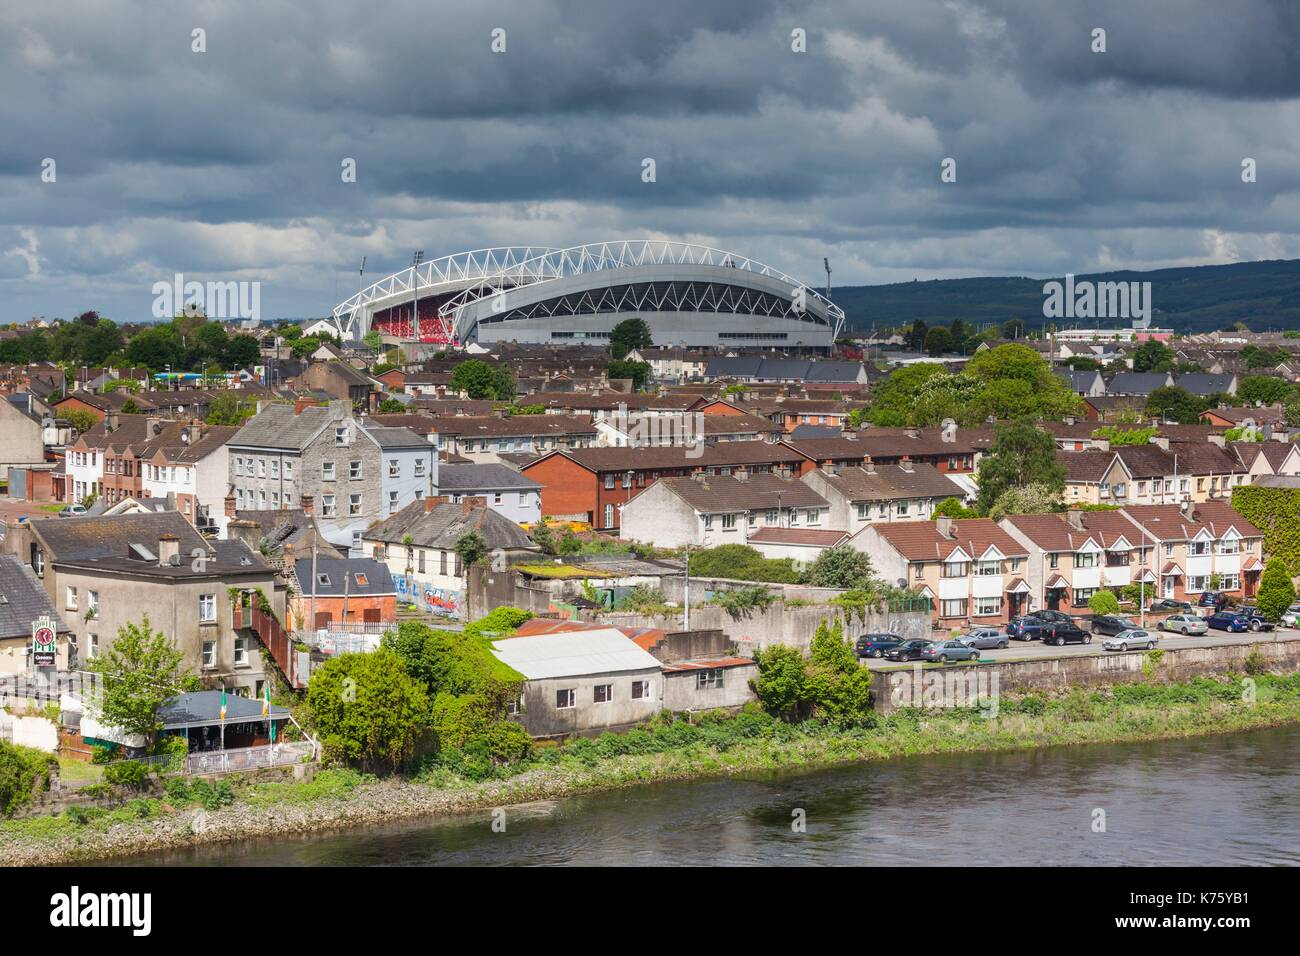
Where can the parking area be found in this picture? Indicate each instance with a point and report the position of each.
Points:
(1034, 650)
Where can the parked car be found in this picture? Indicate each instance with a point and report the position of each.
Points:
(1227, 621)
(875, 645)
(1183, 624)
(1111, 624)
(984, 637)
(1255, 620)
(1291, 616)
(72, 511)
(1133, 637)
(1052, 617)
(908, 650)
(945, 651)
(1210, 599)
(1169, 604)
(1026, 628)
(1059, 634)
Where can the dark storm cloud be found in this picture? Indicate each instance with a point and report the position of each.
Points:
(226, 164)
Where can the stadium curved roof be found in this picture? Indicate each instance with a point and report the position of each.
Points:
(520, 288)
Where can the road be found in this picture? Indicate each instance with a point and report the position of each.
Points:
(11, 510)
(1034, 650)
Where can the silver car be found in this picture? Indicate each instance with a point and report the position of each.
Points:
(1291, 616)
(1135, 637)
(984, 638)
(1184, 624)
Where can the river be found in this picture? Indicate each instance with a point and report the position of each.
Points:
(1229, 800)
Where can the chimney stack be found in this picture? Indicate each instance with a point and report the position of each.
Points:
(302, 403)
(1075, 517)
(905, 463)
(945, 527)
(470, 502)
(169, 550)
(869, 465)
(308, 501)
(432, 501)
(110, 422)
(741, 474)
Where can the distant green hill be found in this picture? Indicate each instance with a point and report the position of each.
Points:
(1264, 295)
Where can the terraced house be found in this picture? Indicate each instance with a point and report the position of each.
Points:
(347, 471)
(1160, 473)
(1203, 546)
(871, 493)
(971, 569)
(1074, 555)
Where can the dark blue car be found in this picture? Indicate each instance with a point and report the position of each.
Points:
(1234, 623)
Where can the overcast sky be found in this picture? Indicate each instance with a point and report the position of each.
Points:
(227, 164)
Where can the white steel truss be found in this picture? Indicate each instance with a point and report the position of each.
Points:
(491, 271)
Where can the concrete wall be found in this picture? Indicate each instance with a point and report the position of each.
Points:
(36, 732)
(895, 688)
(542, 719)
(683, 693)
(780, 624)
(20, 438)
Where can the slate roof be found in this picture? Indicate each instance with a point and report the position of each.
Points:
(485, 477)
(1204, 383)
(23, 599)
(276, 426)
(81, 538)
(1137, 383)
(331, 573)
(444, 525)
(719, 494)
(891, 482)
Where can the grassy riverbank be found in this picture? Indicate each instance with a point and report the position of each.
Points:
(666, 751)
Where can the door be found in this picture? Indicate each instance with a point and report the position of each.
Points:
(370, 615)
(323, 619)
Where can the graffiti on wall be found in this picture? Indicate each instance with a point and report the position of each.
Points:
(425, 596)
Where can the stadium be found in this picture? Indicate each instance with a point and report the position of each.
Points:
(689, 295)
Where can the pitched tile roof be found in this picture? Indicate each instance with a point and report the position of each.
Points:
(1169, 523)
(1055, 532)
(719, 494)
(891, 482)
(922, 540)
(444, 525)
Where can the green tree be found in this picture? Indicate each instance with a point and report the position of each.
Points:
(470, 547)
(843, 567)
(1020, 455)
(1104, 602)
(80, 419)
(241, 351)
(373, 340)
(227, 409)
(391, 406)
(368, 710)
(479, 380)
(1152, 356)
(1276, 589)
(139, 672)
(638, 372)
(1266, 389)
(1031, 499)
(829, 685)
(938, 341)
(953, 508)
(629, 334)
(1174, 404)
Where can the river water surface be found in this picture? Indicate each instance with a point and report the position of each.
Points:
(1229, 800)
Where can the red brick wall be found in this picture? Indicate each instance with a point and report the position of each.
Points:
(567, 488)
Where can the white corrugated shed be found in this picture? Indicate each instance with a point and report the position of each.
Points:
(573, 653)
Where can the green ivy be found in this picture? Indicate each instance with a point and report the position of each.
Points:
(1276, 512)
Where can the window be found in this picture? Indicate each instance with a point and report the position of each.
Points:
(419, 468)
(327, 506)
(241, 652)
(901, 508)
(515, 707)
(442, 562)
(918, 571)
(1197, 582)
(814, 516)
(1229, 582)
(987, 568)
(955, 569)
(323, 580)
(354, 504)
(92, 600)
(354, 469)
(496, 498)
(1228, 546)
(708, 522)
(341, 435)
(627, 479)
(710, 679)
(728, 522)
(71, 599)
(275, 468)
(609, 481)
(327, 471)
(609, 516)
(363, 581)
(92, 648)
(952, 608)
(602, 693)
(207, 608)
(394, 468)
(1015, 565)
(1085, 559)
(209, 653)
(1083, 595)
(864, 511)
(640, 689)
(261, 467)
(288, 469)
(1198, 547)
(988, 606)
(565, 699)
(392, 501)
